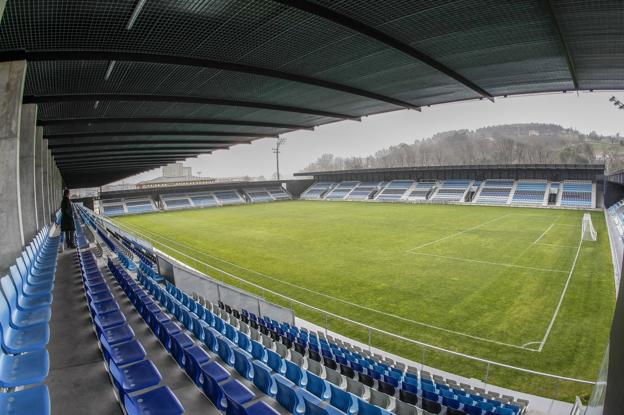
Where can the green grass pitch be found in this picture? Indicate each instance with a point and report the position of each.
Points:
(484, 281)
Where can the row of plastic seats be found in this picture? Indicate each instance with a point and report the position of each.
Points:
(134, 376)
(147, 268)
(388, 379)
(25, 311)
(297, 390)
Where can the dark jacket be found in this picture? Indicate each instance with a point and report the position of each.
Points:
(67, 218)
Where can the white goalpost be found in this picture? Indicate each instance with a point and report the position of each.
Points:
(589, 232)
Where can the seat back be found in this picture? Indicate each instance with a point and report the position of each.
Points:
(318, 386)
(365, 408)
(342, 400)
(333, 376)
(275, 362)
(225, 351)
(242, 364)
(258, 351)
(287, 395)
(262, 378)
(295, 374)
(355, 387)
(380, 399)
(431, 406)
(404, 408)
(315, 367)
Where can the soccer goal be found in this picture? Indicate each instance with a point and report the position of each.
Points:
(589, 232)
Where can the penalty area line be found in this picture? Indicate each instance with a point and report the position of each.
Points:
(458, 233)
(133, 228)
(478, 261)
(563, 293)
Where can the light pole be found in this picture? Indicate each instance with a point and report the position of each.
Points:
(278, 142)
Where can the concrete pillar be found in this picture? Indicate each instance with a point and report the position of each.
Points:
(51, 204)
(39, 168)
(12, 75)
(28, 125)
(45, 169)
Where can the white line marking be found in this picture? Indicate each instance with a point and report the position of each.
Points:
(544, 233)
(489, 262)
(557, 245)
(563, 293)
(299, 287)
(458, 233)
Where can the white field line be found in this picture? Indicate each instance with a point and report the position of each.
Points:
(544, 233)
(557, 245)
(300, 287)
(478, 261)
(458, 233)
(563, 293)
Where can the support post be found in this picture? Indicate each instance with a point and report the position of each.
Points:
(39, 168)
(28, 193)
(45, 171)
(12, 75)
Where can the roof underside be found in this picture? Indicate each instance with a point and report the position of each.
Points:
(128, 85)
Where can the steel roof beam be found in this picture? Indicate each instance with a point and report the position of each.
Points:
(378, 35)
(129, 154)
(80, 143)
(112, 152)
(103, 55)
(157, 133)
(168, 120)
(562, 42)
(187, 99)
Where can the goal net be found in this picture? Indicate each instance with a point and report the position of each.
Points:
(589, 233)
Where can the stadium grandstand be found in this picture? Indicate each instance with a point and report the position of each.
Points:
(480, 290)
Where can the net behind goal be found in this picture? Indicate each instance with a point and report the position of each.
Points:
(589, 233)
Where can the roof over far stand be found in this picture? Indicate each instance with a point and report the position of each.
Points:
(126, 86)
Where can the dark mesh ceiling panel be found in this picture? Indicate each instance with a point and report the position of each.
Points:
(504, 47)
(329, 59)
(594, 32)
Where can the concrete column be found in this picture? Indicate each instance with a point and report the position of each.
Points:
(40, 208)
(28, 192)
(50, 191)
(45, 169)
(12, 75)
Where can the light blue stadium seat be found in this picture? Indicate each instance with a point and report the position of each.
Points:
(258, 351)
(28, 339)
(26, 289)
(21, 301)
(157, 401)
(23, 319)
(26, 402)
(23, 369)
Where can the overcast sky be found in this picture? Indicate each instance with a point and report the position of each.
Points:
(584, 112)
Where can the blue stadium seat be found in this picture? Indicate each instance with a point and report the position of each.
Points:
(23, 302)
(23, 369)
(242, 364)
(24, 319)
(263, 380)
(157, 401)
(25, 402)
(135, 377)
(317, 386)
(295, 374)
(118, 334)
(123, 353)
(365, 408)
(212, 374)
(342, 400)
(275, 362)
(194, 358)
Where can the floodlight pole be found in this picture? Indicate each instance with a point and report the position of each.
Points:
(278, 142)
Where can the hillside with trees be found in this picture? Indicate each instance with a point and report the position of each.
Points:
(500, 144)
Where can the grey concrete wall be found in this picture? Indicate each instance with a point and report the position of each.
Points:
(39, 217)
(28, 194)
(12, 75)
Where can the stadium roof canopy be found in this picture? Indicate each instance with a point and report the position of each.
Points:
(125, 86)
